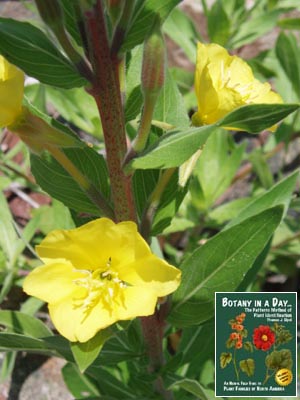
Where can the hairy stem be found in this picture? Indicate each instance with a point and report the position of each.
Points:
(106, 92)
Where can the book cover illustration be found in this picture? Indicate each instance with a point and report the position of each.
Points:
(256, 344)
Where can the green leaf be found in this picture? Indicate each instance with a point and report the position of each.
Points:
(247, 366)
(169, 107)
(172, 149)
(13, 341)
(144, 182)
(281, 193)
(60, 345)
(255, 118)
(251, 274)
(194, 387)
(228, 211)
(289, 23)
(207, 270)
(77, 107)
(80, 385)
(225, 359)
(70, 20)
(52, 177)
(25, 236)
(134, 97)
(218, 24)
(29, 48)
(55, 216)
(86, 353)
(216, 166)
(184, 80)
(31, 306)
(254, 28)
(8, 235)
(287, 51)
(143, 19)
(279, 359)
(109, 384)
(182, 31)
(261, 168)
(8, 364)
(169, 204)
(197, 343)
(17, 322)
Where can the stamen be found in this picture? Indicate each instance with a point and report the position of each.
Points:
(101, 285)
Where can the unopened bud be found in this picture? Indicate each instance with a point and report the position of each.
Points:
(51, 13)
(38, 135)
(153, 68)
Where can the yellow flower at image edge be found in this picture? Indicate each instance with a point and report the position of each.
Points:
(224, 83)
(98, 274)
(11, 92)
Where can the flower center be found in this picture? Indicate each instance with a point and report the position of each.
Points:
(102, 285)
(264, 338)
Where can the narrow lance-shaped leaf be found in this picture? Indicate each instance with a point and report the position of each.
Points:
(143, 19)
(220, 264)
(79, 383)
(85, 353)
(254, 118)
(172, 149)
(51, 176)
(287, 52)
(29, 48)
(281, 193)
(17, 322)
(195, 388)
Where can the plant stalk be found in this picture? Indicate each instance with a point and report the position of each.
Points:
(106, 92)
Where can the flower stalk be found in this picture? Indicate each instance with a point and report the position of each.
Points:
(152, 81)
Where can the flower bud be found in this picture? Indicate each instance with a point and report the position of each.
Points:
(153, 68)
(51, 13)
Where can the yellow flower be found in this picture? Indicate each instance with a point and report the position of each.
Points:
(98, 274)
(224, 83)
(11, 92)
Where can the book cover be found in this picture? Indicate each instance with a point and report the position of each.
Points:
(256, 344)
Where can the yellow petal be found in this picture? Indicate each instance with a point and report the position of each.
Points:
(152, 274)
(76, 324)
(138, 302)
(92, 245)
(224, 83)
(11, 92)
(52, 282)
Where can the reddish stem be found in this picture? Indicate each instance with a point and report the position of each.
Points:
(106, 91)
